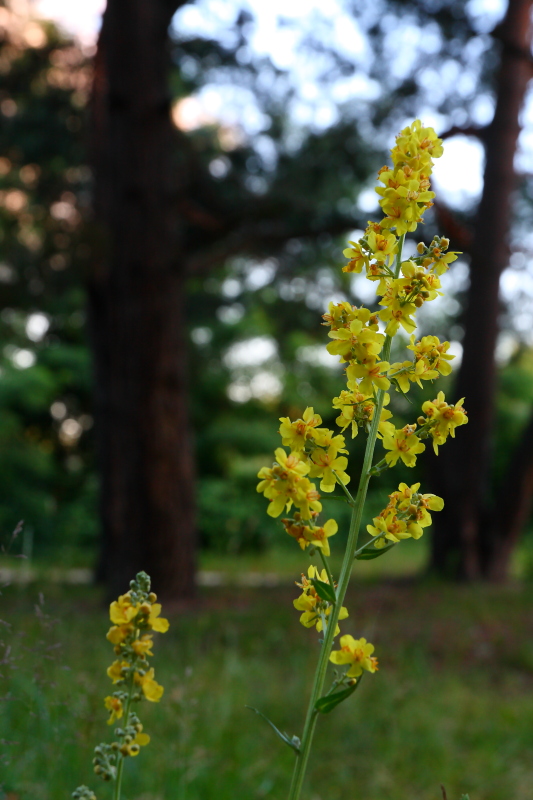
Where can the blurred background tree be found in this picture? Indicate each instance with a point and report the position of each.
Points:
(246, 224)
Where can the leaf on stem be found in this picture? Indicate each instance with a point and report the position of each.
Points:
(293, 742)
(327, 703)
(324, 590)
(371, 552)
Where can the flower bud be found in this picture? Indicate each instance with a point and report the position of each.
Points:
(421, 247)
(152, 597)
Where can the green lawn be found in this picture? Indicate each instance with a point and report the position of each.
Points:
(452, 702)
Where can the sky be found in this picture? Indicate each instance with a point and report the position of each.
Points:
(457, 175)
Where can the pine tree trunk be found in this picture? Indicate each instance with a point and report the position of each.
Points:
(136, 307)
(463, 545)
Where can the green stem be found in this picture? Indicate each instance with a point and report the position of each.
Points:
(120, 757)
(326, 567)
(345, 489)
(367, 544)
(320, 675)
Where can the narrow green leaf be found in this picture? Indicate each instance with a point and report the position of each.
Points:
(326, 704)
(374, 552)
(293, 742)
(324, 590)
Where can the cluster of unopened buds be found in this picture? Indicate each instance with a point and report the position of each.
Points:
(135, 615)
(361, 338)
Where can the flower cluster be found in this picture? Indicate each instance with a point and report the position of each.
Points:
(315, 609)
(405, 515)
(315, 453)
(361, 339)
(441, 419)
(135, 615)
(431, 360)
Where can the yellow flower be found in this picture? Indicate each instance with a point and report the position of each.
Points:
(133, 748)
(296, 434)
(143, 646)
(357, 653)
(152, 690)
(115, 670)
(284, 484)
(114, 705)
(122, 611)
(403, 444)
(371, 372)
(405, 516)
(358, 258)
(308, 501)
(157, 623)
(117, 633)
(328, 466)
(318, 536)
(446, 418)
(339, 315)
(312, 605)
(383, 246)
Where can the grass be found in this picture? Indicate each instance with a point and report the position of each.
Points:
(452, 703)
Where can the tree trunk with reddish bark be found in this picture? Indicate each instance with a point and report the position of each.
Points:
(136, 306)
(463, 541)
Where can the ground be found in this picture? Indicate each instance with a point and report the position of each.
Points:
(451, 704)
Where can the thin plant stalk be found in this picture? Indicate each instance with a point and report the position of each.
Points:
(302, 757)
(121, 759)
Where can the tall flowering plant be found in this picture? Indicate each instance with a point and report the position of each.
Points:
(315, 453)
(134, 616)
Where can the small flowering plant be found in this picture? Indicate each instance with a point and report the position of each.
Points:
(362, 339)
(134, 616)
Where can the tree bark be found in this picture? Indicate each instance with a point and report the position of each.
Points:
(463, 545)
(513, 506)
(136, 307)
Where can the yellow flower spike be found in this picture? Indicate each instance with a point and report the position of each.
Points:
(357, 653)
(114, 705)
(152, 690)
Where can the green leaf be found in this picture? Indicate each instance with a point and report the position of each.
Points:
(324, 590)
(327, 703)
(293, 742)
(374, 552)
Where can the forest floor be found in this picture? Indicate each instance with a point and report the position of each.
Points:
(452, 703)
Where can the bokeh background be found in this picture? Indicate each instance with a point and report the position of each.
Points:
(176, 188)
